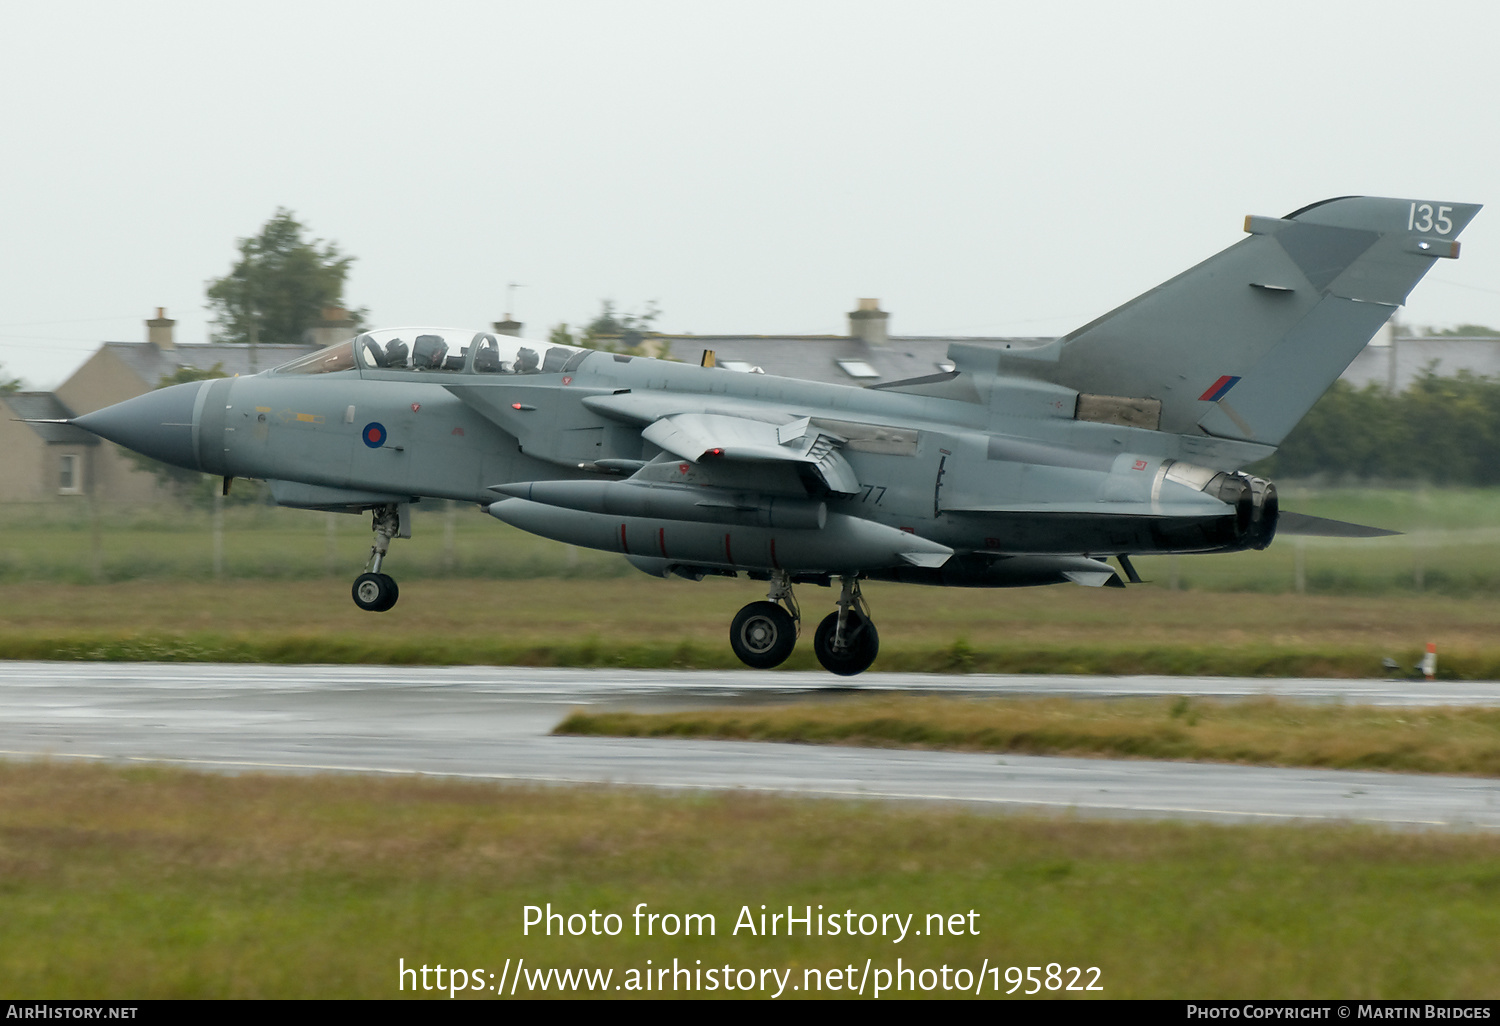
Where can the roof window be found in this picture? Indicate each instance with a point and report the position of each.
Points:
(857, 369)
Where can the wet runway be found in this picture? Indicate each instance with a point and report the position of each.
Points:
(493, 723)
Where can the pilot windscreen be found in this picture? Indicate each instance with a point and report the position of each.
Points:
(556, 357)
(526, 360)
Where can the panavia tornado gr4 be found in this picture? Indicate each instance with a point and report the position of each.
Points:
(1025, 464)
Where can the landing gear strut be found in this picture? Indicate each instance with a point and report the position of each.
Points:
(373, 590)
(763, 634)
(846, 642)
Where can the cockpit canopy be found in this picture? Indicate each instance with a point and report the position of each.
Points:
(450, 350)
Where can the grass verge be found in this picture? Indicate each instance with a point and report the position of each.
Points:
(1452, 547)
(649, 623)
(623, 653)
(1263, 732)
(158, 883)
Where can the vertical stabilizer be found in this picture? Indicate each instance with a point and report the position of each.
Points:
(1243, 344)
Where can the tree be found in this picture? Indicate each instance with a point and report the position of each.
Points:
(613, 323)
(1468, 331)
(1445, 430)
(612, 331)
(280, 285)
(9, 385)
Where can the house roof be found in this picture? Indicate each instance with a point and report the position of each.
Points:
(35, 406)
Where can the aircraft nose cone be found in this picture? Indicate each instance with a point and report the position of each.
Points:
(158, 424)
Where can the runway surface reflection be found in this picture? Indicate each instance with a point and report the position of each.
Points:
(494, 723)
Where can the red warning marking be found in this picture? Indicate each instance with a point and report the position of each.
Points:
(773, 555)
(1139, 465)
(623, 547)
(728, 554)
(415, 407)
(661, 539)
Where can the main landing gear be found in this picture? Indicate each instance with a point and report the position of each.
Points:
(763, 634)
(846, 642)
(374, 591)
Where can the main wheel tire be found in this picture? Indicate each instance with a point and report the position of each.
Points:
(392, 593)
(862, 644)
(763, 635)
(375, 593)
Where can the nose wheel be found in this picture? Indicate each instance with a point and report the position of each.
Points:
(375, 592)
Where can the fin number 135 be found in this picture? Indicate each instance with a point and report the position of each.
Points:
(1420, 218)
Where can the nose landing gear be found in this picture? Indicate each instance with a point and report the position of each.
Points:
(374, 591)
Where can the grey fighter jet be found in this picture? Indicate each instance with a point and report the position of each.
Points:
(1025, 464)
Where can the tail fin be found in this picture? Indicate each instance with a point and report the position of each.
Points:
(1243, 344)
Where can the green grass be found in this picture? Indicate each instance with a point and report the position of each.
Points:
(1262, 732)
(142, 584)
(1453, 547)
(63, 543)
(152, 883)
(641, 621)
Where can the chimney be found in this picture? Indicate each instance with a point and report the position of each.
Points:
(159, 330)
(334, 326)
(868, 323)
(508, 327)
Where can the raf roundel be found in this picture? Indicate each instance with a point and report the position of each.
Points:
(374, 435)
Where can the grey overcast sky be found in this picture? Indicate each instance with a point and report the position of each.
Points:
(980, 167)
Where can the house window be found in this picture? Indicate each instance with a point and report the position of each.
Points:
(69, 476)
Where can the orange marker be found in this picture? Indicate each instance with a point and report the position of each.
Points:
(1429, 661)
